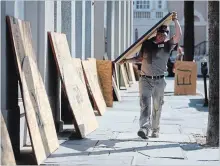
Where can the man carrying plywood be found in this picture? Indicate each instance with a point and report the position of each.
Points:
(153, 56)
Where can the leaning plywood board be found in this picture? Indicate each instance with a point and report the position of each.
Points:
(33, 91)
(7, 154)
(134, 48)
(185, 78)
(104, 69)
(77, 63)
(75, 90)
(115, 73)
(123, 78)
(90, 70)
(130, 66)
(116, 90)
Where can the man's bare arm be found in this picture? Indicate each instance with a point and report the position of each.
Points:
(134, 59)
(178, 31)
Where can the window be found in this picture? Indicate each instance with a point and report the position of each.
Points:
(141, 14)
(159, 4)
(159, 14)
(143, 4)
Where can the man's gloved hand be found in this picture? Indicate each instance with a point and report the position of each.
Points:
(174, 16)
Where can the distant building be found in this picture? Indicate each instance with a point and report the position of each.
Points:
(148, 13)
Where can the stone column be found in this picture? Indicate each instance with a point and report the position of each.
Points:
(117, 28)
(58, 28)
(68, 24)
(83, 29)
(125, 25)
(129, 24)
(132, 25)
(89, 26)
(110, 29)
(122, 27)
(99, 43)
(78, 28)
(117, 41)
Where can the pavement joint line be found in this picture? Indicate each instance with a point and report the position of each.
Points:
(144, 154)
(133, 160)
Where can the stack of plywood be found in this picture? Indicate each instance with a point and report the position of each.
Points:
(74, 86)
(92, 81)
(37, 107)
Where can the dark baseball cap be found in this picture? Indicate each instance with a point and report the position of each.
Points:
(163, 29)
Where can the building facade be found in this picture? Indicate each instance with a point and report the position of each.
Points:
(83, 22)
(147, 14)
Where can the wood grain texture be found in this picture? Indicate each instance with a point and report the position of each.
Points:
(77, 63)
(75, 90)
(7, 154)
(90, 70)
(185, 78)
(37, 107)
(135, 47)
(104, 69)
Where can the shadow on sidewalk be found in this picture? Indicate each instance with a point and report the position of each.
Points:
(89, 147)
(198, 104)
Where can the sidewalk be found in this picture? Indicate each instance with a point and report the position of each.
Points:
(115, 142)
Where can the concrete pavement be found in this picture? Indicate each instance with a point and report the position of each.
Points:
(115, 142)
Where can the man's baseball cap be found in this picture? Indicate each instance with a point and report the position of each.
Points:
(163, 29)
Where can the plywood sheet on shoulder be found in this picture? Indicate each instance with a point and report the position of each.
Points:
(37, 107)
(135, 47)
(90, 70)
(104, 69)
(185, 78)
(7, 154)
(84, 118)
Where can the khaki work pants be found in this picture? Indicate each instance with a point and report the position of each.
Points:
(151, 88)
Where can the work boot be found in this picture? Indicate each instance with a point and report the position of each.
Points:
(143, 133)
(155, 134)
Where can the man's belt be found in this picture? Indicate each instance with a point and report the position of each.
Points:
(152, 77)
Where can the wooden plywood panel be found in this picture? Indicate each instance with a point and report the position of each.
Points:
(77, 63)
(116, 90)
(131, 69)
(75, 90)
(134, 48)
(115, 73)
(7, 154)
(104, 69)
(124, 77)
(185, 78)
(38, 112)
(90, 70)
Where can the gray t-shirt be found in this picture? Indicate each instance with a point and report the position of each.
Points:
(155, 57)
